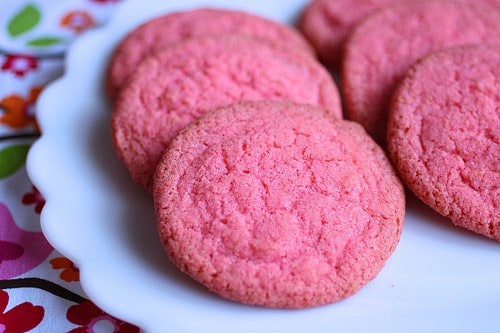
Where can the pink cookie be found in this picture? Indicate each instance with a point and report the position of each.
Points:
(174, 27)
(177, 85)
(326, 24)
(277, 204)
(384, 45)
(444, 135)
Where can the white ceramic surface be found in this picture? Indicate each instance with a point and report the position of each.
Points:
(440, 279)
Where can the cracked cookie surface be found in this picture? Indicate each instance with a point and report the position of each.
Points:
(384, 45)
(327, 23)
(278, 204)
(444, 138)
(175, 27)
(175, 86)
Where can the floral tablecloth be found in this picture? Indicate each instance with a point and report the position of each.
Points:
(39, 288)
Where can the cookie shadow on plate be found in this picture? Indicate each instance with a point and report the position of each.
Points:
(424, 219)
(131, 212)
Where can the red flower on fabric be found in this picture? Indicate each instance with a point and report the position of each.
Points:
(19, 64)
(77, 21)
(70, 272)
(21, 318)
(91, 319)
(19, 112)
(34, 197)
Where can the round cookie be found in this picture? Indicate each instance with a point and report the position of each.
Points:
(326, 24)
(174, 27)
(444, 135)
(178, 84)
(278, 204)
(384, 45)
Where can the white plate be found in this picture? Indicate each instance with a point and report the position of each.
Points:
(439, 279)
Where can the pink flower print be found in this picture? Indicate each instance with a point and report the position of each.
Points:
(21, 318)
(91, 319)
(24, 249)
(77, 21)
(34, 197)
(10, 251)
(19, 64)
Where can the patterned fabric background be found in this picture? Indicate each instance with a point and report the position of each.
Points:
(39, 288)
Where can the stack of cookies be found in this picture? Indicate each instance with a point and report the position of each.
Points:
(263, 192)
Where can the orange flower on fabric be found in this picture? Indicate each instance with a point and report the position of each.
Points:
(19, 112)
(70, 272)
(77, 21)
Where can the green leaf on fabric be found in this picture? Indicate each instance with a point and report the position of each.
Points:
(12, 158)
(44, 41)
(25, 20)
